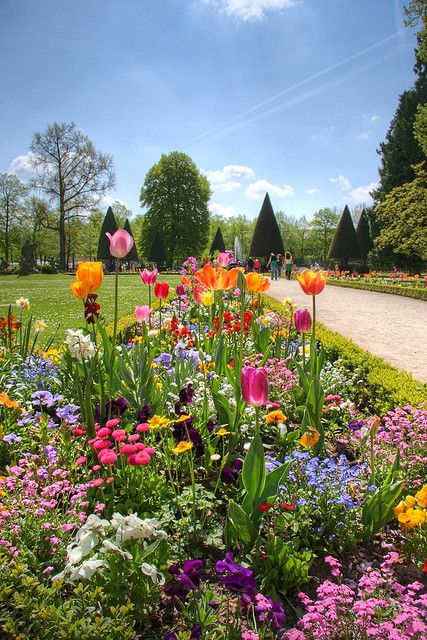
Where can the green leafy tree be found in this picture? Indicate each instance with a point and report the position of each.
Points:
(133, 253)
(345, 244)
(323, 225)
(12, 194)
(218, 243)
(176, 196)
(266, 238)
(403, 214)
(70, 173)
(364, 237)
(108, 226)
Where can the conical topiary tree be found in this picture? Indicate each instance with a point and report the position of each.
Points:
(132, 256)
(109, 225)
(218, 243)
(157, 252)
(345, 244)
(266, 238)
(364, 237)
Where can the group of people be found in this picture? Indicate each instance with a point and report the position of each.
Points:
(276, 264)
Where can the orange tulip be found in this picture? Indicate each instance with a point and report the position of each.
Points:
(312, 282)
(80, 289)
(217, 279)
(92, 273)
(256, 282)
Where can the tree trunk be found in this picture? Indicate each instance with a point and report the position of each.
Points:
(62, 243)
(6, 234)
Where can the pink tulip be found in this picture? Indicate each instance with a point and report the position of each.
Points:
(148, 277)
(254, 385)
(223, 260)
(121, 242)
(197, 291)
(142, 313)
(302, 319)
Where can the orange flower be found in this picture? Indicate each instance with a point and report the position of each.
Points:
(275, 417)
(310, 438)
(7, 402)
(256, 282)
(217, 279)
(92, 273)
(80, 289)
(312, 282)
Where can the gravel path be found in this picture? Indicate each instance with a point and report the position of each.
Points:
(393, 327)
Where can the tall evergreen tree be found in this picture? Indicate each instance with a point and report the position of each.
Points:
(132, 256)
(364, 237)
(157, 252)
(345, 244)
(109, 225)
(266, 238)
(218, 243)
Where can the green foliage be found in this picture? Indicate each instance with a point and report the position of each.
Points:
(108, 226)
(176, 196)
(12, 192)
(403, 214)
(408, 292)
(266, 238)
(218, 243)
(285, 567)
(378, 505)
(31, 610)
(323, 224)
(345, 244)
(157, 252)
(132, 256)
(364, 236)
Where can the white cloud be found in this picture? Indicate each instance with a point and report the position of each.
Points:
(311, 191)
(343, 182)
(365, 135)
(257, 190)
(251, 10)
(361, 194)
(21, 166)
(229, 172)
(221, 210)
(374, 118)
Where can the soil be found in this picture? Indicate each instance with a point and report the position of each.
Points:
(389, 326)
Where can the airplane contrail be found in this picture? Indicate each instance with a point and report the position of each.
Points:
(208, 134)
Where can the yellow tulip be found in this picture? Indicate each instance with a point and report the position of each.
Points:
(207, 298)
(92, 273)
(80, 289)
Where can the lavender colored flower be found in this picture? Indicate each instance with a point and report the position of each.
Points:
(11, 437)
(69, 413)
(43, 399)
(164, 359)
(51, 453)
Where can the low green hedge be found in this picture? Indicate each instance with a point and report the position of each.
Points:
(384, 387)
(407, 292)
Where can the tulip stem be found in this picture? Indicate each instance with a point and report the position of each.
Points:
(160, 315)
(113, 352)
(149, 304)
(257, 418)
(314, 320)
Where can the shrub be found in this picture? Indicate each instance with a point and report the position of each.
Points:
(408, 292)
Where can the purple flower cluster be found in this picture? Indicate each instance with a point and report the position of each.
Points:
(184, 580)
(235, 577)
(230, 474)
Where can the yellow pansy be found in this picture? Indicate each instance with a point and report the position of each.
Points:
(182, 446)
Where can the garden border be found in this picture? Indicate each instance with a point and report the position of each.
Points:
(407, 292)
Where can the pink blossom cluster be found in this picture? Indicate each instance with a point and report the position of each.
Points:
(376, 607)
(404, 428)
(111, 442)
(279, 376)
(54, 504)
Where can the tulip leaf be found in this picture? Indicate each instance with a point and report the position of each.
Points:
(240, 525)
(253, 472)
(273, 480)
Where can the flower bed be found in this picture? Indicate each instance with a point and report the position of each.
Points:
(208, 470)
(396, 283)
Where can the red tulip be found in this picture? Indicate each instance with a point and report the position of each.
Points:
(161, 290)
(254, 384)
(121, 242)
(180, 290)
(148, 277)
(302, 319)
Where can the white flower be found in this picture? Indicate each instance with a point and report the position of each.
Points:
(215, 457)
(23, 303)
(39, 325)
(133, 528)
(86, 569)
(151, 571)
(79, 345)
(110, 546)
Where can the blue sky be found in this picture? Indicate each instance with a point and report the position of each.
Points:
(287, 96)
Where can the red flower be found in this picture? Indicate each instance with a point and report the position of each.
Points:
(425, 565)
(265, 507)
(287, 507)
(161, 290)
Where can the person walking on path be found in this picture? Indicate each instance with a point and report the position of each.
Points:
(272, 263)
(289, 263)
(279, 264)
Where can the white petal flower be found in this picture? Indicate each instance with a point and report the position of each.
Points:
(110, 546)
(151, 571)
(87, 568)
(80, 345)
(23, 303)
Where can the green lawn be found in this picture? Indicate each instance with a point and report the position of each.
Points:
(52, 301)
